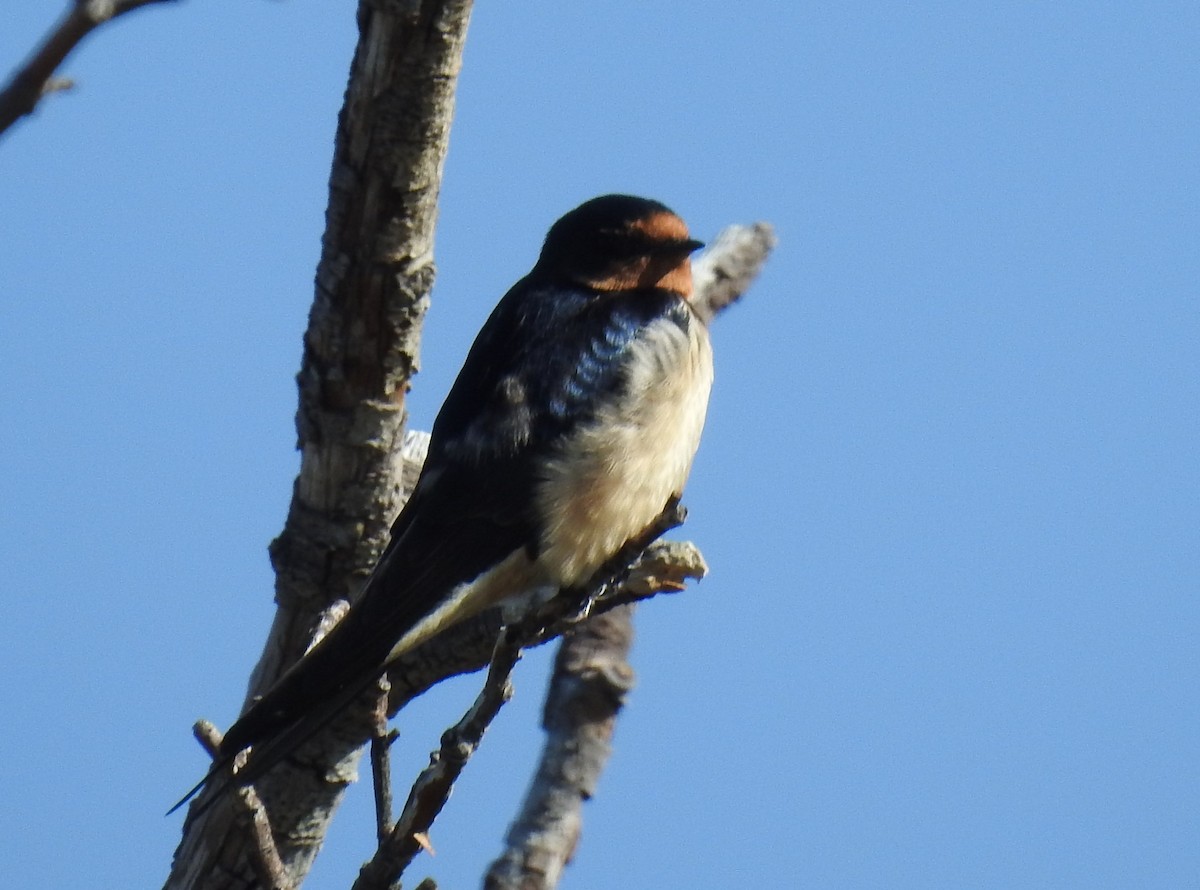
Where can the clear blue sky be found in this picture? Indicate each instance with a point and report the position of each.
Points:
(949, 487)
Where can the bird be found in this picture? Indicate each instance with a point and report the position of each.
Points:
(571, 426)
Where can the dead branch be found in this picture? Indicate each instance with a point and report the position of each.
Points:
(35, 78)
(266, 862)
(587, 690)
(724, 272)
(360, 349)
(664, 567)
(432, 788)
(381, 762)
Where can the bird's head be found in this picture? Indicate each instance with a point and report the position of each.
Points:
(619, 242)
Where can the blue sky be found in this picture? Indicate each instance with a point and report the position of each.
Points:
(949, 487)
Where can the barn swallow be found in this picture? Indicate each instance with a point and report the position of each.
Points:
(572, 424)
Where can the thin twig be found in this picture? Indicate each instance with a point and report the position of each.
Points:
(432, 788)
(734, 259)
(266, 862)
(34, 79)
(381, 763)
(591, 679)
(664, 567)
(572, 606)
(209, 737)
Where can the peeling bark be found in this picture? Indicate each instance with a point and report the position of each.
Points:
(360, 350)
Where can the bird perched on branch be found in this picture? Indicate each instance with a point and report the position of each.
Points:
(570, 427)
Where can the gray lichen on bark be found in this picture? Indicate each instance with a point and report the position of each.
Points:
(360, 350)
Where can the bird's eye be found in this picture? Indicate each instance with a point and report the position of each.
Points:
(622, 242)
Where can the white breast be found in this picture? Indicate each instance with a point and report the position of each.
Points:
(616, 473)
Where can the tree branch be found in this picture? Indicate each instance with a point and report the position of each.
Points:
(591, 677)
(34, 79)
(724, 272)
(266, 862)
(360, 349)
(432, 788)
(663, 567)
(381, 762)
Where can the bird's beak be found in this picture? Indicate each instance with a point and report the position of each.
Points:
(680, 248)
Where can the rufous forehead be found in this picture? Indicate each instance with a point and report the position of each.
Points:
(661, 226)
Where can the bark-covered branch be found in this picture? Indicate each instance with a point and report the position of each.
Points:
(664, 567)
(587, 689)
(733, 260)
(35, 78)
(592, 673)
(432, 789)
(360, 350)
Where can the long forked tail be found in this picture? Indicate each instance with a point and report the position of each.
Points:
(264, 755)
(220, 765)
